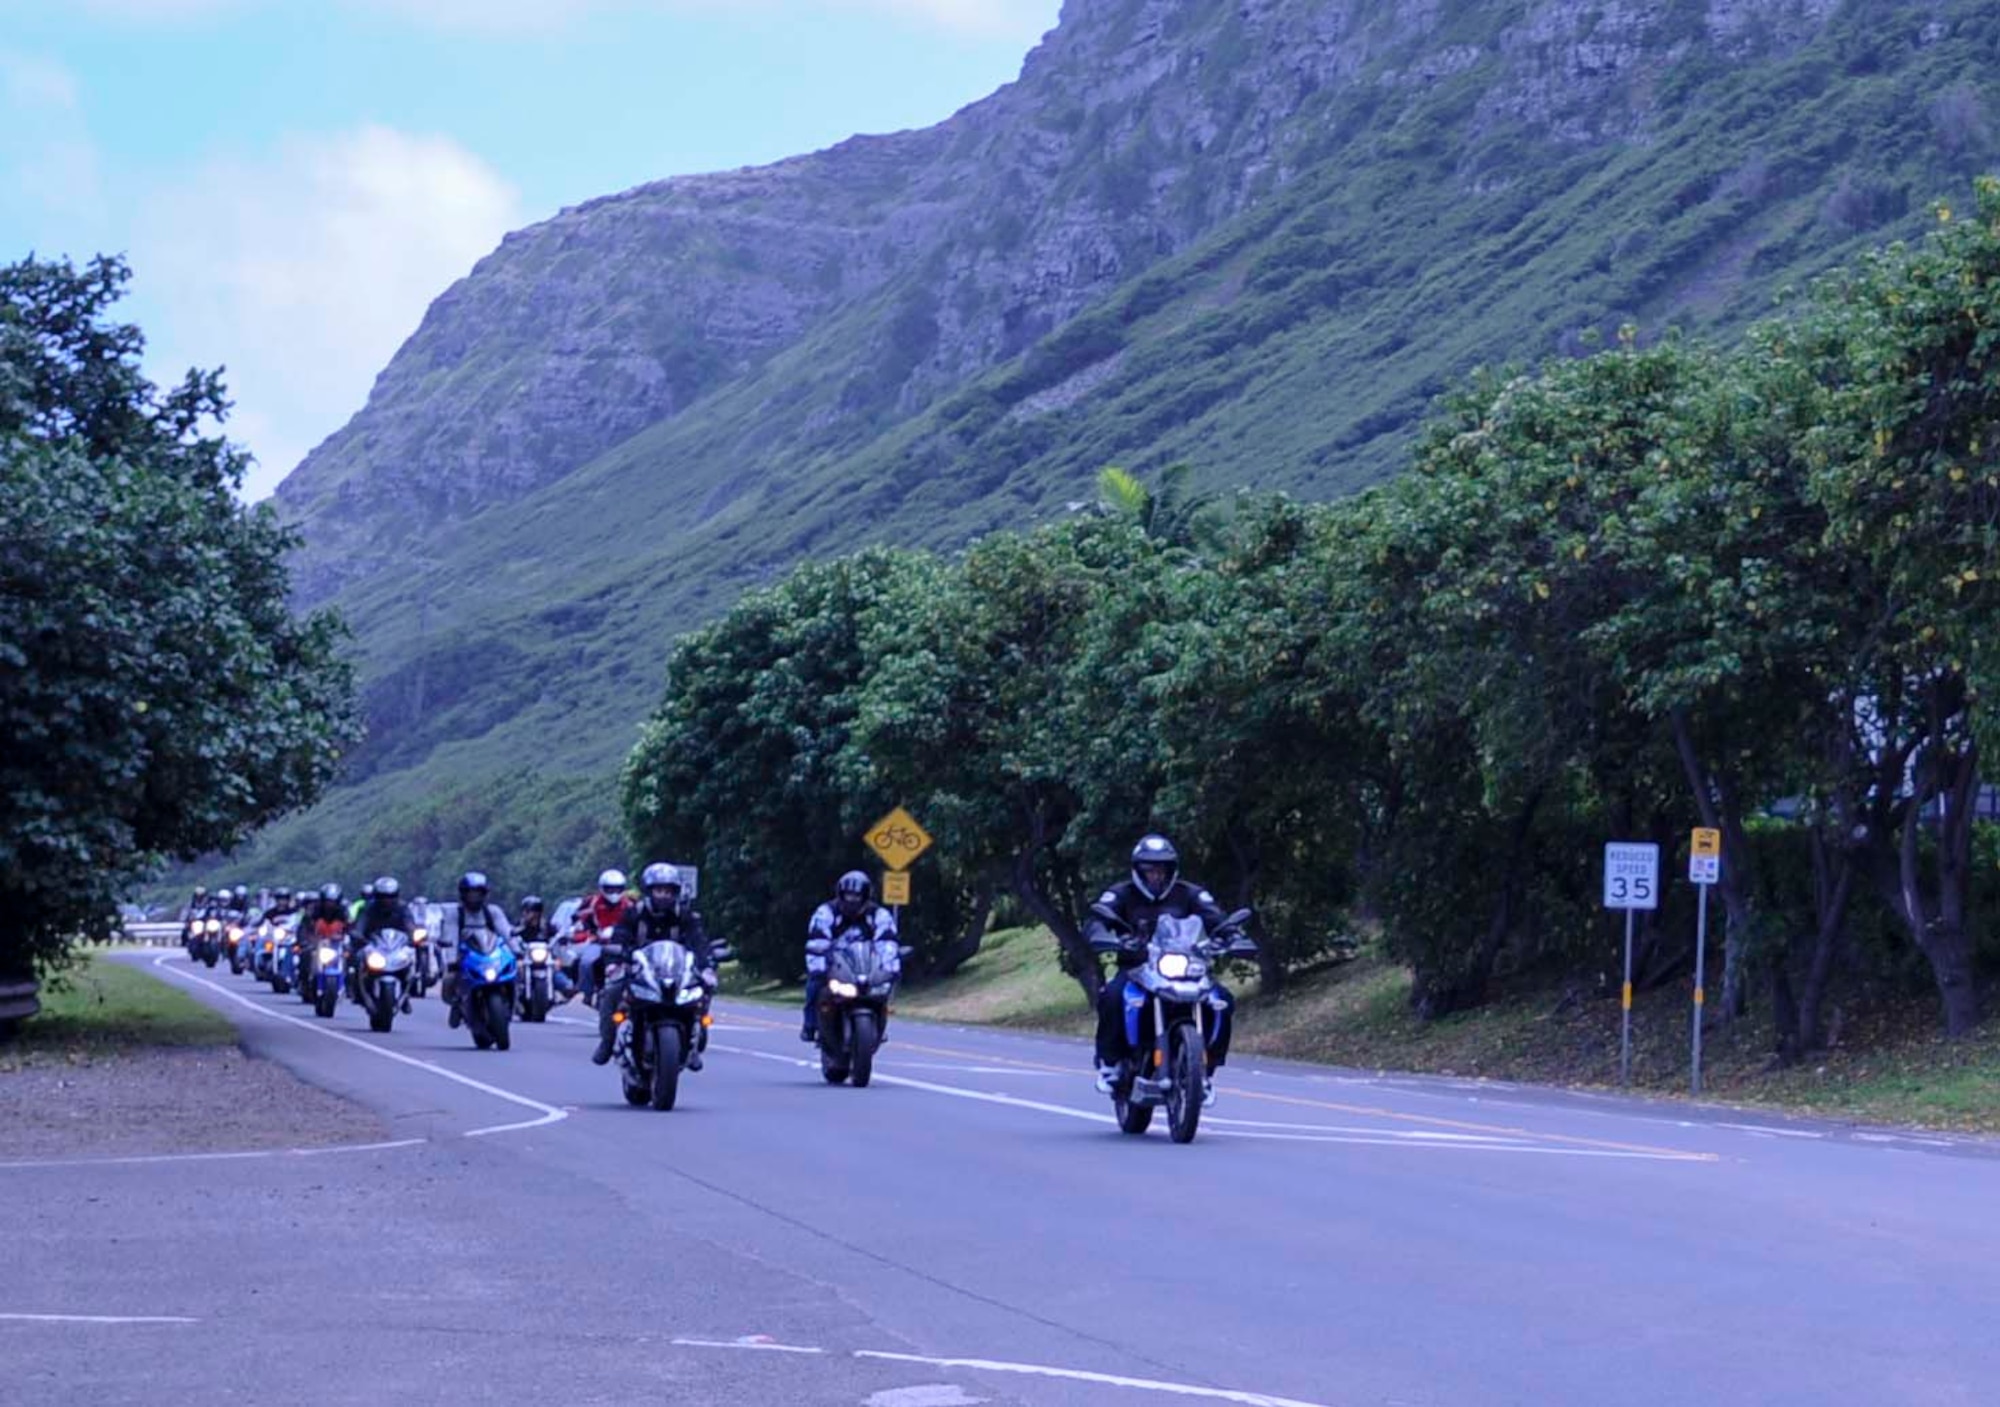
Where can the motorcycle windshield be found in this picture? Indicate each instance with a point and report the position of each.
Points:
(482, 940)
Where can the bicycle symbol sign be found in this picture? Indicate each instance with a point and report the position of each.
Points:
(898, 839)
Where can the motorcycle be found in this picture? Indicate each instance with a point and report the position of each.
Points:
(861, 977)
(535, 993)
(487, 972)
(1171, 1008)
(327, 970)
(382, 982)
(663, 1020)
(205, 941)
(236, 945)
(285, 955)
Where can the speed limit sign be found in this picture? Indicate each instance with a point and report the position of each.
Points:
(1631, 875)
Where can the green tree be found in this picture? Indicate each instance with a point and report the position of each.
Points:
(158, 698)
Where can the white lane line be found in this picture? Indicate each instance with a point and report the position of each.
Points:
(1079, 1375)
(141, 1160)
(1363, 1137)
(96, 1319)
(1012, 1101)
(1774, 1132)
(747, 1345)
(549, 1113)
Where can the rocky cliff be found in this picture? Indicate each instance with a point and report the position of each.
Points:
(1256, 235)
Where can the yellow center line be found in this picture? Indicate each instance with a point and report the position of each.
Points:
(1365, 1110)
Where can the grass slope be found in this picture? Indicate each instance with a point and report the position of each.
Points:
(104, 1008)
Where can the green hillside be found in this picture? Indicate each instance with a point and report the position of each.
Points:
(1296, 345)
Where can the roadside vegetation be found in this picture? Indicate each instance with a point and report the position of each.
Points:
(103, 1009)
(158, 696)
(1750, 587)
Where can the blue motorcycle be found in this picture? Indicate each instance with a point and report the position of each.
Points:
(285, 955)
(326, 971)
(487, 971)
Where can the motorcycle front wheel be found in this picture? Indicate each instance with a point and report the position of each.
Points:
(666, 1065)
(1184, 1098)
(861, 1048)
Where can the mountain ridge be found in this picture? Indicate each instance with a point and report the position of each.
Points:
(1260, 238)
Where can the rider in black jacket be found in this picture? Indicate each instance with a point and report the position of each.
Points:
(660, 914)
(1155, 889)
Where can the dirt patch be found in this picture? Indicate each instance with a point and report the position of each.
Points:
(152, 1100)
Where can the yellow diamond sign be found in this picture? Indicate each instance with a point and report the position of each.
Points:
(898, 839)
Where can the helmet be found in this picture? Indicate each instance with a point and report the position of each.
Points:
(387, 888)
(660, 875)
(330, 893)
(470, 881)
(611, 884)
(368, 890)
(281, 895)
(852, 890)
(241, 894)
(201, 891)
(531, 904)
(1151, 851)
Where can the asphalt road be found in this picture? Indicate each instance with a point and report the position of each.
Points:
(974, 1229)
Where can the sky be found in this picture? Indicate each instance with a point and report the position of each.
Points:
(294, 181)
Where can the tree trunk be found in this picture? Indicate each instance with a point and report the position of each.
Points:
(1715, 801)
(1082, 963)
(1939, 928)
(968, 945)
(1833, 887)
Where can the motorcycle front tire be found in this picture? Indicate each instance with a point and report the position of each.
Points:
(666, 1065)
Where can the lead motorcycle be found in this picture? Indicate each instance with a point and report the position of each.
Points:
(536, 994)
(204, 943)
(664, 1019)
(1171, 1010)
(861, 977)
(382, 977)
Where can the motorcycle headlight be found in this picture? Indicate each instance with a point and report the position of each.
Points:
(843, 989)
(491, 971)
(1173, 966)
(215, 926)
(327, 957)
(376, 962)
(538, 953)
(688, 996)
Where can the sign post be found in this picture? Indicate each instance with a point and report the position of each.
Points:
(1704, 869)
(1631, 883)
(899, 840)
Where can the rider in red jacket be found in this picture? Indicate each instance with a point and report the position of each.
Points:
(599, 917)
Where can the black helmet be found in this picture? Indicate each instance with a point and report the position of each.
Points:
(1150, 851)
(330, 893)
(532, 903)
(472, 880)
(387, 888)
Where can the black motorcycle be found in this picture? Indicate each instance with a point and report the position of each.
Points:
(382, 977)
(663, 1021)
(861, 977)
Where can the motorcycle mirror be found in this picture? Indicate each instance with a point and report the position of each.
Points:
(905, 950)
(721, 953)
(1237, 919)
(1108, 914)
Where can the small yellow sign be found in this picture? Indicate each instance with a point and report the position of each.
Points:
(898, 839)
(1706, 841)
(896, 887)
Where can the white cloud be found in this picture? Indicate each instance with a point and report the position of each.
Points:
(302, 269)
(48, 164)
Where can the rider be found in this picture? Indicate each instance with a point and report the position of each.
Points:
(1155, 889)
(533, 924)
(325, 913)
(283, 905)
(472, 913)
(383, 910)
(663, 913)
(354, 909)
(852, 906)
(598, 916)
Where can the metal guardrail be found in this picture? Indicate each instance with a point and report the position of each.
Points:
(153, 932)
(18, 1001)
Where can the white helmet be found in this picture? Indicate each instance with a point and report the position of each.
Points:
(611, 884)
